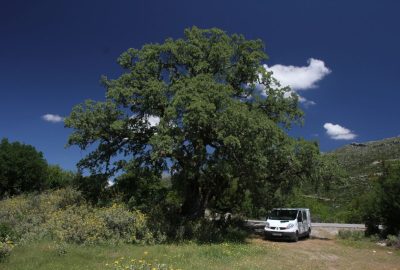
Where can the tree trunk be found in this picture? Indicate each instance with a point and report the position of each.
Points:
(191, 206)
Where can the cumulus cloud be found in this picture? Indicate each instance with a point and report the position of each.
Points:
(337, 132)
(300, 78)
(53, 118)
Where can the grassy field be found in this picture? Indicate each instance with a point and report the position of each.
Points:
(256, 254)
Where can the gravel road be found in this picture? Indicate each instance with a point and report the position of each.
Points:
(319, 230)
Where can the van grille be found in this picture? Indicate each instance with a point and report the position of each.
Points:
(280, 228)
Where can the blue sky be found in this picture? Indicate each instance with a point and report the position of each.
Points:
(342, 58)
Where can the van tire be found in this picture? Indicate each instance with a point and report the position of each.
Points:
(308, 235)
(296, 237)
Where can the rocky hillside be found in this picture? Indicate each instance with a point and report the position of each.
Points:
(365, 158)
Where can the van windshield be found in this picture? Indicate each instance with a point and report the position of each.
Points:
(283, 214)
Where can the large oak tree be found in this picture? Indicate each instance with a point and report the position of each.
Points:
(204, 109)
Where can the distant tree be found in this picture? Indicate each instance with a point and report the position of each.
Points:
(203, 108)
(22, 168)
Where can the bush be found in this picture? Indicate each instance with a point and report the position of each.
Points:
(27, 214)
(6, 232)
(393, 240)
(64, 216)
(351, 235)
(207, 231)
(88, 225)
(5, 249)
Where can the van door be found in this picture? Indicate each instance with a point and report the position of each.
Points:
(300, 221)
(305, 221)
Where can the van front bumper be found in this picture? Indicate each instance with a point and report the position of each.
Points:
(270, 234)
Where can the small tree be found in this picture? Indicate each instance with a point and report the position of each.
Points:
(382, 205)
(389, 185)
(22, 168)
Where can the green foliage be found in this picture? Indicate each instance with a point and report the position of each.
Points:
(27, 214)
(93, 188)
(22, 168)
(64, 216)
(141, 189)
(6, 233)
(393, 241)
(209, 231)
(58, 178)
(351, 235)
(362, 163)
(215, 133)
(87, 225)
(321, 210)
(389, 198)
(382, 205)
(5, 249)
(365, 158)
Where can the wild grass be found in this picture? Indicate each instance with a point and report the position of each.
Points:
(256, 254)
(46, 256)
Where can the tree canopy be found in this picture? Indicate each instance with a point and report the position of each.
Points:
(202, 108)
(22, 168)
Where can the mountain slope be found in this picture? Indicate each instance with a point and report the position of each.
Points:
(365, 158)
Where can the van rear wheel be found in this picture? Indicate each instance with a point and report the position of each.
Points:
(308, 233)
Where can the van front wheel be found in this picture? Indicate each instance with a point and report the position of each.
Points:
(296, 237)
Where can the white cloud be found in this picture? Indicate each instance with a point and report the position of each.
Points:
(337, 132)
(300, 78)
(305, 101)
(53, 118)
(153, 120)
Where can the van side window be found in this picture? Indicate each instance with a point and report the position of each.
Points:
(300, 215)
(304, 215)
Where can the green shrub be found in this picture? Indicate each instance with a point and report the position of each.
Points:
(6, 232)
(88, 225)
(393, 240)
(383, 203)
(351, 235)
(27, 214)
(129, 226)
(5, 249)
(138, 264)
(64, 216)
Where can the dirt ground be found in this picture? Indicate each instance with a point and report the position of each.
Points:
(331, 254)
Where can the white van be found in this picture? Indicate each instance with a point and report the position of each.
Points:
(288, 223)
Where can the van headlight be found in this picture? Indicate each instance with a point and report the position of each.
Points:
(267, 225)
(291, 225)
